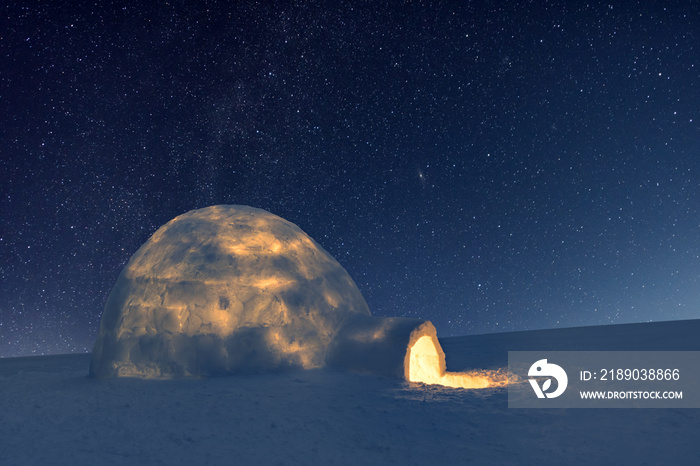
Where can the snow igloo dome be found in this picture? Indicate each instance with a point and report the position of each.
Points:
(221, 290)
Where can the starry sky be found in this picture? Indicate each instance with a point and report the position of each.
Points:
(489, 166)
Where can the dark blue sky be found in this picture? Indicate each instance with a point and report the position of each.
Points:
(490, 166)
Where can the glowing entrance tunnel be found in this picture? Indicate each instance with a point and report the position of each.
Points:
(403, 348)
(425, 366)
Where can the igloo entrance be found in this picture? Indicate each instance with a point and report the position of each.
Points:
(425, 366)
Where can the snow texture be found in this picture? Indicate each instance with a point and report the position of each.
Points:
(222, 290)
(53, 414)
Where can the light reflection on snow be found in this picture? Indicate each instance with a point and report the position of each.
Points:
(425, 367)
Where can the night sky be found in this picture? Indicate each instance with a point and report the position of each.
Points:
(489, 166)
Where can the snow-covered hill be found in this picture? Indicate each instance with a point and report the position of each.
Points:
(52, 413)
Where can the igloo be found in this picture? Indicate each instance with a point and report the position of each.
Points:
(230, 289)
(223, 289)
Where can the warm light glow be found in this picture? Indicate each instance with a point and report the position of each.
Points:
(424, 367)
(273, 283)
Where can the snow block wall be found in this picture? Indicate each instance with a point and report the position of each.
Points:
(222, 290)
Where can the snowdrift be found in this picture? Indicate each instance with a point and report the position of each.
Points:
(52, 414)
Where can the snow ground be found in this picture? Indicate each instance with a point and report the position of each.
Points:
(52, 413)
